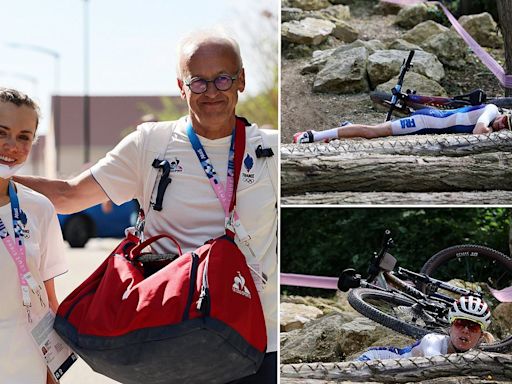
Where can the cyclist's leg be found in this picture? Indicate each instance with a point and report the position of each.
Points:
(366, 131)
(347, 131)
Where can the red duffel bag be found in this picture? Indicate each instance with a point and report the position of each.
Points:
(196, 320)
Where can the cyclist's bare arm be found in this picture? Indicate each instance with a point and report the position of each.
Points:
(488, 115)
(68, 196)
(481, 128)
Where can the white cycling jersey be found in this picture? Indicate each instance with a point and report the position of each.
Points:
(432, 344)
(429, 120)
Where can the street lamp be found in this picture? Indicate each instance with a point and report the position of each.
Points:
(87, 123)
(56, 120)
(22, 76)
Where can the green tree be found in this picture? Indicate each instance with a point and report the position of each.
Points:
(319, 241)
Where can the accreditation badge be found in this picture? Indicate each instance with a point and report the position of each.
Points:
(57, 355)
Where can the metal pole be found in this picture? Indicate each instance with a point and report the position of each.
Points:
(86, 106)
(56, 120)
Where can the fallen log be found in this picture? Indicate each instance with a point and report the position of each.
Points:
(482, 366)
(396, 173)
(399, 198)
(417, 145)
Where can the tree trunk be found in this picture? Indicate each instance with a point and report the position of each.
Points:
(417, 145)
(505, 15)
(424, 163)
(477, 366)
(396, 173)
(403, 198)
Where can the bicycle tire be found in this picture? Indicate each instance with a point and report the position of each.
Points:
(368, 302)
(409, 106)
(501, 102)
(494, 265)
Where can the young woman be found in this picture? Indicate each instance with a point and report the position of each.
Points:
(469, 318)
(475, 119)
(31, 247)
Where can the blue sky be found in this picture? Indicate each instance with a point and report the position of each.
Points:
(132, 44)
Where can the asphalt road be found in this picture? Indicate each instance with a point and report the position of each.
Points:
(82, 262)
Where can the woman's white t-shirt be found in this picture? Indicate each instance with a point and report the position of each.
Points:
(20, 361)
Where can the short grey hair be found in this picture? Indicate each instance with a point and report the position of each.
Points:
(212, 35)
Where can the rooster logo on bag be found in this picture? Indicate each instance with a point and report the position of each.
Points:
(239, 286)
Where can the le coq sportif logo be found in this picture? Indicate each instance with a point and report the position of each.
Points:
(239, 286)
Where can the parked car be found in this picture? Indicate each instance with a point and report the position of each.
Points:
(98, 221)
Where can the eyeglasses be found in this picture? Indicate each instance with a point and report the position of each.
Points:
(222, 83)
(470, 325)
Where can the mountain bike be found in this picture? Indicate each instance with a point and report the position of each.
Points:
(410, 102)
(405, 103)
(415, 304)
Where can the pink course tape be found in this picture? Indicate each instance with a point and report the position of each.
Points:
(485, 58)
(309, 281)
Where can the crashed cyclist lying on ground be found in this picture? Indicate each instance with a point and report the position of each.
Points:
(477, 119)
(469, 318)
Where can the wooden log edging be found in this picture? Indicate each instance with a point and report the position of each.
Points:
(485, 365)
(399, 198)
(396, 173)
(421, 145)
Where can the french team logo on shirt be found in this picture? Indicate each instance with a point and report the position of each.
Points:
(248, 176)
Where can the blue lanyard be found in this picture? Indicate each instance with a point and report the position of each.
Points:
(223, 194)
(16, 249)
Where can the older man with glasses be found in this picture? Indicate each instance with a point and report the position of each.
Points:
(210, 76)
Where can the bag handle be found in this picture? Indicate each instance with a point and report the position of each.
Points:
(135, 251)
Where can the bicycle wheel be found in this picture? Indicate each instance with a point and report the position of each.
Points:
(482, 269)
(502, 102)
(395, 311)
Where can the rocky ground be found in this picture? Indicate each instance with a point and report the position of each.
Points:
(303, 109)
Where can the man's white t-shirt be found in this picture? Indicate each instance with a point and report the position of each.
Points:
(191, 212)
(20, 361)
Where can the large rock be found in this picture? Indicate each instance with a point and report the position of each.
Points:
(449, 48)
(408, 17)
(320, 57)
(345, 32)
(317, 341)
(309, 5)
(424, 31)
(334, 13)
(289, 14)
(501, 324)
(403, 45)
(344, 72)
(414, 81)
(385, 8)
(483, 29)
(383, 65)
(307, 31)
(294, 316)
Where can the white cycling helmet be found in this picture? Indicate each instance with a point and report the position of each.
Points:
(471, 308)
